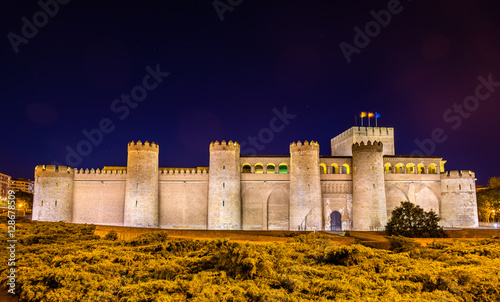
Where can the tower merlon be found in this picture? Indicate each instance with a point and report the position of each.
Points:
(369, 146)
(458, 174)
(147, 146)
(53, 170)
(224, 146)
(299, 146)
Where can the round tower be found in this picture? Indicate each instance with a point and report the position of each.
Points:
(458, 199)
(305, 187)
(53, 194)
(368, 194)
(141, 192)
(224, 200)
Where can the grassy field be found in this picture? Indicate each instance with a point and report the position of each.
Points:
(68, 262)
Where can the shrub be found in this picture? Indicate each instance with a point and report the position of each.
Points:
(410, 220)
(111, 235)
(402, 244)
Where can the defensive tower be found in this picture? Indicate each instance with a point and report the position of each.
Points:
(305, 187)
(458, 199)
(224, 200)
(342, 144)
(141, 192)
(369, 203)
(53, 195)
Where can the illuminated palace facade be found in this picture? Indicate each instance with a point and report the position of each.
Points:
(356, 187)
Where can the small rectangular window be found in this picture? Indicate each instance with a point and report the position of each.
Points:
(137, 186)
(223, 185)
(136, 203)
(55, 203)
(223, 203)
(57, 185)
(137, 167)
(223, 167)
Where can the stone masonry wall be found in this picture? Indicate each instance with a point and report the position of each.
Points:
(458, 199)
(224, 199)
(141, 193)
(341, 145)
(265, 202)
(369, 203)
(53, 195)
(305, 188)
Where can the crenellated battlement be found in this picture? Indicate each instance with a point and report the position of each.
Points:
(365, 131)
(356, 188)
(147, 146)
(369, 146)
(99, 171)
(456, 174)
(305, 146)
(230, 146)
(183, 171)
(53, 171)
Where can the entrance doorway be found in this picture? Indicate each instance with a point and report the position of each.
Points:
(336, 221)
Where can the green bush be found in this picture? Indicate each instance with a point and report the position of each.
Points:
(410, 220)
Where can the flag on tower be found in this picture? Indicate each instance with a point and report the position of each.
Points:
(370, 114)
(362, 115)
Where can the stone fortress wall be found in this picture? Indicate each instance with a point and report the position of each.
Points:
(303, 191)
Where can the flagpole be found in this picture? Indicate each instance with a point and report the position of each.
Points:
(376, 124)
(368, 120)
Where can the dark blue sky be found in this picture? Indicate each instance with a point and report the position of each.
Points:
(226, 77)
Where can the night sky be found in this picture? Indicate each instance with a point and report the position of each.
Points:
(223, 73)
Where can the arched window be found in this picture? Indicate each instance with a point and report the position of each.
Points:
(283, 168)
(335, 169)
(388, 168)
(246, 168)
(410, 168)
(432, 169)
(346, 169)
(259, 168)
(400, 168)
(322, 169)
(421, 169)
(271, 168)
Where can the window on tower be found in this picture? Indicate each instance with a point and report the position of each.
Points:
(246, 168)
(283, 168)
